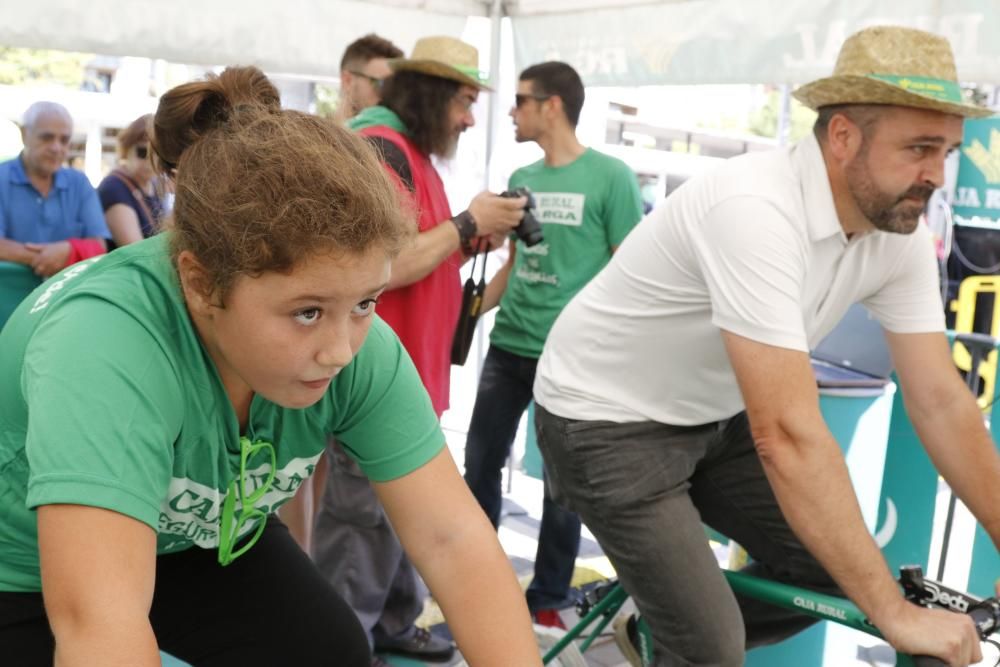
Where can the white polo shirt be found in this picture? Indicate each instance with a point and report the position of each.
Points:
(753, 247)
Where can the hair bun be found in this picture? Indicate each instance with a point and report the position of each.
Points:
(190, 111)
(248, 86)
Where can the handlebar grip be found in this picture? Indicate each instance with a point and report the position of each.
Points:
(928, 661)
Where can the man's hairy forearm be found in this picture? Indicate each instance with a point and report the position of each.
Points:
(814, 491)
(425, 254)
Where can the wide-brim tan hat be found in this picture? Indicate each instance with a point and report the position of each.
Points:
(444, 57)
(893, 65)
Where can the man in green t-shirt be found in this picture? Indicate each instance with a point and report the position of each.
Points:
(586, 202)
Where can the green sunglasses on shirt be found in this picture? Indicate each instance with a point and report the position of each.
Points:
(230, 523)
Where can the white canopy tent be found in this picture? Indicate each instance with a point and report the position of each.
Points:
(611, 42)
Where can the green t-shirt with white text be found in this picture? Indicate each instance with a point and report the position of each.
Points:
(585, 208)
(109, 399)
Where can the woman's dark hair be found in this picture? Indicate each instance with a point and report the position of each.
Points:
(422, 103)
(260, 188)
(557, 78)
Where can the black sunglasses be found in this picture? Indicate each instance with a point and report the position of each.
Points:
(142, 152)
(520, 99)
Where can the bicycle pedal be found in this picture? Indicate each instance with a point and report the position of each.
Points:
(592, 597)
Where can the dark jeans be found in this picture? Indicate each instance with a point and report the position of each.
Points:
(269, 607)
(503, 396)
(645, 489)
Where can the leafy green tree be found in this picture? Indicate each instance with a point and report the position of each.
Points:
(41, 66)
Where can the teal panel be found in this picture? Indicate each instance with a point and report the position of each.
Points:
(171, 661)
(16, 282)
(910, 485)
(805, 648)
(532, 457)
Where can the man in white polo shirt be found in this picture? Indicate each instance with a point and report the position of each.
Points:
(676, 388)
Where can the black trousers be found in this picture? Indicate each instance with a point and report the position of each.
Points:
(268, 607)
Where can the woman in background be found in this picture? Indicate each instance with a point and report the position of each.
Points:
(128, 194)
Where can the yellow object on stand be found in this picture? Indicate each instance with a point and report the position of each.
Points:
(964, 308)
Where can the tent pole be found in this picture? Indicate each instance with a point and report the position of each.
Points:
(496, 15)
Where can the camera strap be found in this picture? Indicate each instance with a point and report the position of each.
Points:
(472, 303)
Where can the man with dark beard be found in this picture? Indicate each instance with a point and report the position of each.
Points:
(426, 106)
(676, 388)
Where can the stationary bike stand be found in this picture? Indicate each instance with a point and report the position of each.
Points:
(979, 346)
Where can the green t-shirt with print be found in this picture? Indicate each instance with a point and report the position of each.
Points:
(585, 208)
(109, 399)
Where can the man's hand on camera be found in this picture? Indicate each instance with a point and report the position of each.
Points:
(495, 214)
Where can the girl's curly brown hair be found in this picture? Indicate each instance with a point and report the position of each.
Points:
(260, 188)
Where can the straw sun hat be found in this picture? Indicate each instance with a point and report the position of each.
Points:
(893, 65)
(444, 57)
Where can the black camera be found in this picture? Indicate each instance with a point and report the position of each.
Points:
(528, 230)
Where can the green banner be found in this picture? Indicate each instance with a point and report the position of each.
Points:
(742, 41)
(977, 190)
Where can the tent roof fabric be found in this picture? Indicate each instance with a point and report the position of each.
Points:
(611, 42)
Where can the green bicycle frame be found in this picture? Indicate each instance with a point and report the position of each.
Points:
(818, 605)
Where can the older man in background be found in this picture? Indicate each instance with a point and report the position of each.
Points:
(50, 215)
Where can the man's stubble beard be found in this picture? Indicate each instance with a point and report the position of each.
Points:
(887, 212)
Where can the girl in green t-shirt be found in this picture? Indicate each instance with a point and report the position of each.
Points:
(159, 403)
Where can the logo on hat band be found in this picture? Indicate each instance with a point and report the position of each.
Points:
(473, 72)
(938, 89)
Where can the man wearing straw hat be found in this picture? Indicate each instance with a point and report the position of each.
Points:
(426, 106)
(676, 387)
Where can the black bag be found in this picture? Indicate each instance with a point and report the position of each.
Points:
(468, 315)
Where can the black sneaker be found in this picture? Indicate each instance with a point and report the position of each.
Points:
(417, 643)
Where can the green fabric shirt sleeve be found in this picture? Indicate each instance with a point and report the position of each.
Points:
(623, 205)
(104, 408)
(388, 426)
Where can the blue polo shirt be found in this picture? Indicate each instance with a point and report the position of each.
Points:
(70, 211)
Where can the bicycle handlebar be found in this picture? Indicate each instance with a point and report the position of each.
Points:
(985, 614)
